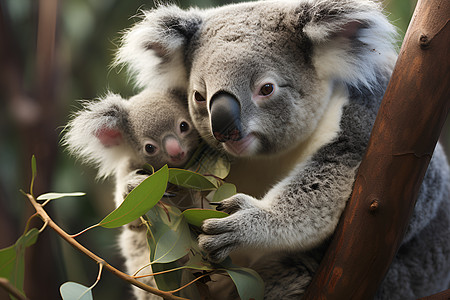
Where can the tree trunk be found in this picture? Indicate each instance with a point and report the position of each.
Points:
(405, 133)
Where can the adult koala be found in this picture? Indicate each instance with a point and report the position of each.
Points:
(290, 90)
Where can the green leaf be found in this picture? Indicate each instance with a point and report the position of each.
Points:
(173, 244)
(189, 179)
(139, 201)
(198, 263)
(7, 261)
(75, 291)
(208, 161)
(54, 196)
(12, 259)
(248, 282)
(163, 220)
(167, 281)
(33, 173)
(224, 191)
(196, 216)
(216, 165)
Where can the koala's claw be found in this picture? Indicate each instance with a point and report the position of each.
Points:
(218, 247)
(223, 235)
(233, 204)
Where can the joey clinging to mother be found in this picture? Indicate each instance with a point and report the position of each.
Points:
(120, 136)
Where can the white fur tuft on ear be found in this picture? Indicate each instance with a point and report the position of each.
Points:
(83, 133)
(153, 49)
(353, 41)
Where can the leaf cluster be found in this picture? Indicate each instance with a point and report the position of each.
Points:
(176, 260)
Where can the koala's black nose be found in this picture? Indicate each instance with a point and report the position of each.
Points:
(225, 117)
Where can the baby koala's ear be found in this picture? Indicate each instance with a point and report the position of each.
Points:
(109, 137)
(108, 120)
(98, 129)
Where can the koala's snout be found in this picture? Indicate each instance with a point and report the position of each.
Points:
(225, 117)
(173, 148)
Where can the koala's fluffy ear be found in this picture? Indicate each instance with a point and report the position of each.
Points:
(352, 39)
(153, 49)
(98, 133)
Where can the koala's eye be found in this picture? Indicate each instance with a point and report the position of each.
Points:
(198, 97)
(267, 89)
(184, 126)
(150, 149)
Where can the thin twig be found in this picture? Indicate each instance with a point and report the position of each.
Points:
(83, 231)
(11, 289)
(140, 269)
(45, 217)
(189, 283)
(100, 269)
(157, 273)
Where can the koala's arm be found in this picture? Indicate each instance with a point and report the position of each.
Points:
(302, 210)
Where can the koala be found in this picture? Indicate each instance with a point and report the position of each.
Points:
(289, 90)
(120, 136)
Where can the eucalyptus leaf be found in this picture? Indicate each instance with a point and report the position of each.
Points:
(197, 262)
(12, 259)
(209, 161)
(173, 244)
(189, 179)
(167, 281)
(215, 164)
(7, 261)
(248, 282)
(53, 196)
(139, 200)
(192, 290)
(33, 167)
(196, 216)
(224, 191)
(74, 291)
(161, 221)
(33, 173)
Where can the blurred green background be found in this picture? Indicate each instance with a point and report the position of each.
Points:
(41, 76)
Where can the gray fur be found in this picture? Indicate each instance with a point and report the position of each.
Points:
(329, 63)
(147, 117)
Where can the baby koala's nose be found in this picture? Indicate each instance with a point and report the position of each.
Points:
(173, 148)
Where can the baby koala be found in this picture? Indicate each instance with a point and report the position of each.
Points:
(119, 137)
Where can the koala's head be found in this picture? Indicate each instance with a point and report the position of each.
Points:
(261, 73)
(151, 127)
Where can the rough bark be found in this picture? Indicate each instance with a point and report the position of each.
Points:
(403, 139)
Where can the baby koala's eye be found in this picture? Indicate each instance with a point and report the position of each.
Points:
(198, 97)
(267, 89)
(150, 149)
(184, 126)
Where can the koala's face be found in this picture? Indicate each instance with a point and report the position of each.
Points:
(162, 130)
(253, 88)
(259, 75)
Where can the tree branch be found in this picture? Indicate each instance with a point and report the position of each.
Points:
(46, 219)
(405, 133)
(11, 289)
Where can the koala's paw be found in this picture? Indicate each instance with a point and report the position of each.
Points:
(235, 203)
(221, 236)
(135, 178)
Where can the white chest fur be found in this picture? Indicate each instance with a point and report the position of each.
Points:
(256, 176)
